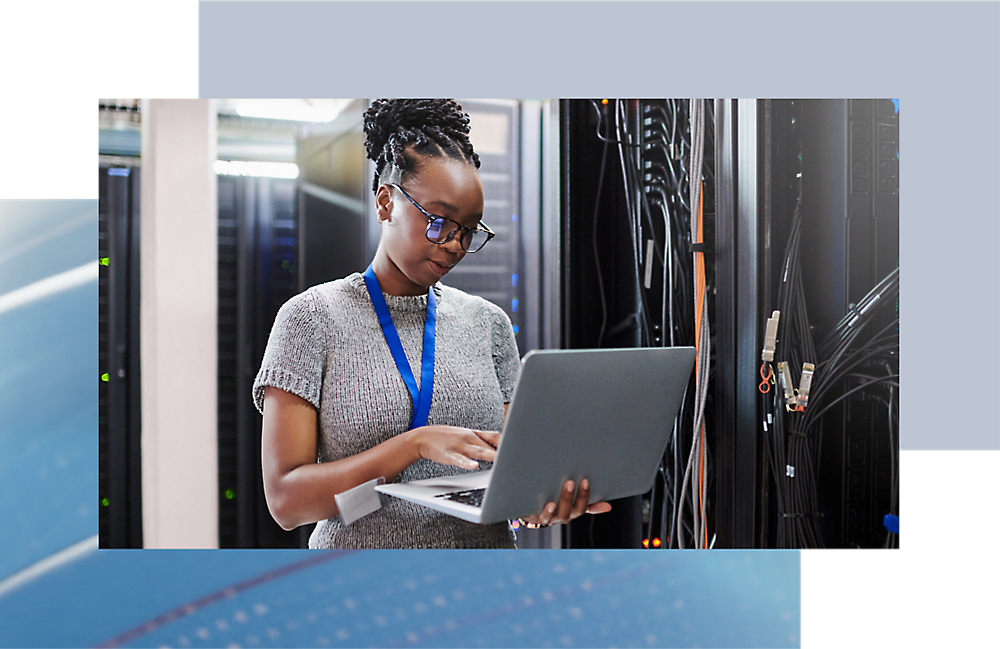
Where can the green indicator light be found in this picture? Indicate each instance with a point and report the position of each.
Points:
(284, 264)
(105, 502)
(103, 261)
(230, 494)
(104, 377)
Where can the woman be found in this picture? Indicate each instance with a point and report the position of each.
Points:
(342, 405)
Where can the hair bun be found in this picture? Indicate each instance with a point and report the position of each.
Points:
(388, 116)
(399, 133)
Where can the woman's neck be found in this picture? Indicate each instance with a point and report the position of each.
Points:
(391, 279)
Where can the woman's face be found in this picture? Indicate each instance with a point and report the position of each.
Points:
(410, 262)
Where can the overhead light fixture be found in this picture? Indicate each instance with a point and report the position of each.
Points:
(294, 110)
(258, 169)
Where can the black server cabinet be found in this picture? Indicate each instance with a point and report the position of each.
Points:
(335, 228)
(842, 156)
(850, 192)
(333, 236)
(258, 272)
(119, 426)
(600, 287)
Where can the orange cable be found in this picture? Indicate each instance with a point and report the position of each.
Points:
(699, 307)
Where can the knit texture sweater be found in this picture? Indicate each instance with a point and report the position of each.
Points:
(327, 347)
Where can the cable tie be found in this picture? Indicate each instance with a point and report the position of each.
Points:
(698, 247)
(789, 471)
(796, 433)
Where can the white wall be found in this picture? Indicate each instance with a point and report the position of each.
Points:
(178, 324)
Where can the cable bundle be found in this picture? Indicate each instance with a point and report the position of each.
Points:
(842, 366)
(656, 150)
(702, 343)
(637, 209)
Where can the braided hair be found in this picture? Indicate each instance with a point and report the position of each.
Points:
(401, 133)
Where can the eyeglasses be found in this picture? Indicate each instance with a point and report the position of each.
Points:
(441, 230)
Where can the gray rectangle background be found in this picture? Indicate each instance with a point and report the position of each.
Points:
(941, 59)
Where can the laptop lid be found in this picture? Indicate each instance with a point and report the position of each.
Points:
(601, 414)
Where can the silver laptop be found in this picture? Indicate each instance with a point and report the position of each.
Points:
(601, 414)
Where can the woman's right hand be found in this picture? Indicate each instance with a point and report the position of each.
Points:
(461, 447)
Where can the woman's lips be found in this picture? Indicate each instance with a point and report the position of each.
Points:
(440, 268)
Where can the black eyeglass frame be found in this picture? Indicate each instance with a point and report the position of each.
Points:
(458, 226)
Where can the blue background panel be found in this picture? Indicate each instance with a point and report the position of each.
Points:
(409, 598)
(48, 383)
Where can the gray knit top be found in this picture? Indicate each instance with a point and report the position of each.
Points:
(327, 347)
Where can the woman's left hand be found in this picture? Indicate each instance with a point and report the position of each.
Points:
(569, 507)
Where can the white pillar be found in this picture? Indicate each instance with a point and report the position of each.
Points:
(178, 316)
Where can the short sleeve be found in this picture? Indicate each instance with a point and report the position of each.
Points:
(505, 356)
(294, 357)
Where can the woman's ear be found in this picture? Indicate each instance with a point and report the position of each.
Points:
(383, 203)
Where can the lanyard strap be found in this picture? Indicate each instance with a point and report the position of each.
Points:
(421, 397)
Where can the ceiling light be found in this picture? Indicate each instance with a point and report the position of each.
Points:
(259, 169)
(295, 110)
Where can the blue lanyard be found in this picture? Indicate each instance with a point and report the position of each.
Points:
(421, 397)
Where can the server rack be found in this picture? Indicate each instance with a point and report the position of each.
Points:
(119, 399)
(850, 187)
(836, 161)
(258, 272)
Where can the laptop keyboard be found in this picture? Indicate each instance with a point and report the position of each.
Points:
(472, 497)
